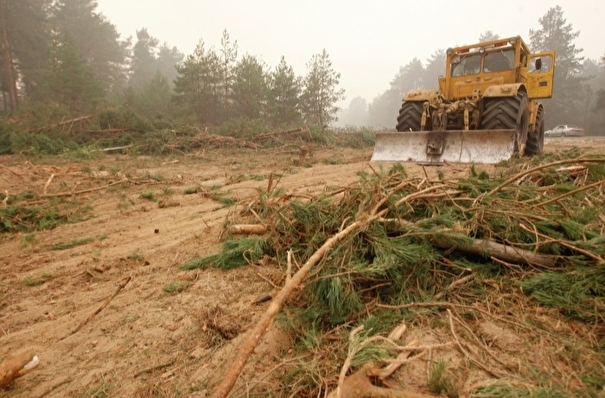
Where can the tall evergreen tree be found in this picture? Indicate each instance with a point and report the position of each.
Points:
(384, 109)
(250, 88)
(144, 62)
(356, 114)
(284, 96)
(70, 79)
(321, 93)
(155, 98)
(198, 88)
(435, 67)
(228, 57)
(168, 58)
(599, 103)
(488, 35)
(24, 39)
(95, 38)
(556, 34)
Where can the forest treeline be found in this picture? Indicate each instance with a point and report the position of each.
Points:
(62, 59)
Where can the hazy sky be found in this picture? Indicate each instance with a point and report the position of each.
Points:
(367, 41)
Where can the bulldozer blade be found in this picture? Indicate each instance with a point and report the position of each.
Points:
(460, 146)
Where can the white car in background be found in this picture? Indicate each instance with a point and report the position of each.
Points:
(565, 130)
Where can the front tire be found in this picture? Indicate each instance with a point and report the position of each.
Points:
(535, 141)
(508, 113)
(410, 116)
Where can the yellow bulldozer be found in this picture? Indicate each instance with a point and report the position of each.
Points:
(485, 110)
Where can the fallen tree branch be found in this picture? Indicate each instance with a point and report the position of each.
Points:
(54, 387)
(11, 170)
(538, 168)
(155, 367)
(402, 359)
(105, 304)
(115, 148)
(564, 244)
(444, 304)
(483, 247)
(452, 285)
(74, 193)
(261, 327)
(281, 133)
(52, 126)
(349, 359)
(465, 352)
(48, 183)
(570, 193)
(106, 131)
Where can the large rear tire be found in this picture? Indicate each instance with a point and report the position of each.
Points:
(410, 116)
(508, 113)
(535, 141)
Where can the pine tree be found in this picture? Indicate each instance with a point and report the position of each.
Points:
(250, 88)
(599, 103)
(321, 93)
(356, 114)
(383, 110)
(198, 86)
(70, 79)
(144, 62)
(95, 38)
(153, 71)
(284, 96)
(155, 98)
(435, 67)
(557, 35)
(488, 35)
(228, 57)
(25, 35)
(167, 60)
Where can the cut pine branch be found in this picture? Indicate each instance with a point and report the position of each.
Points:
(481, 247)
(261, 327)
(60, 124)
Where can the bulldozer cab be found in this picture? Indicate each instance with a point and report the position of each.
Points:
(472, 69)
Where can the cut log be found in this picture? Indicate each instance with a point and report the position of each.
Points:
(247, 229)
(17, 366)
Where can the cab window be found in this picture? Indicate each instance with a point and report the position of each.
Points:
(540, 64)
(499, 61)
(466, 65)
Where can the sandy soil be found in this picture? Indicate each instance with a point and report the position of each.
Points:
(152, 338)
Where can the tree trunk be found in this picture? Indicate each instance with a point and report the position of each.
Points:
(7, 61)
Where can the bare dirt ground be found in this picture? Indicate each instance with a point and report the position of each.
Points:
(152, 338)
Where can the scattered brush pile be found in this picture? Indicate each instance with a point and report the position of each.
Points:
(484, 286)
(113, 130)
